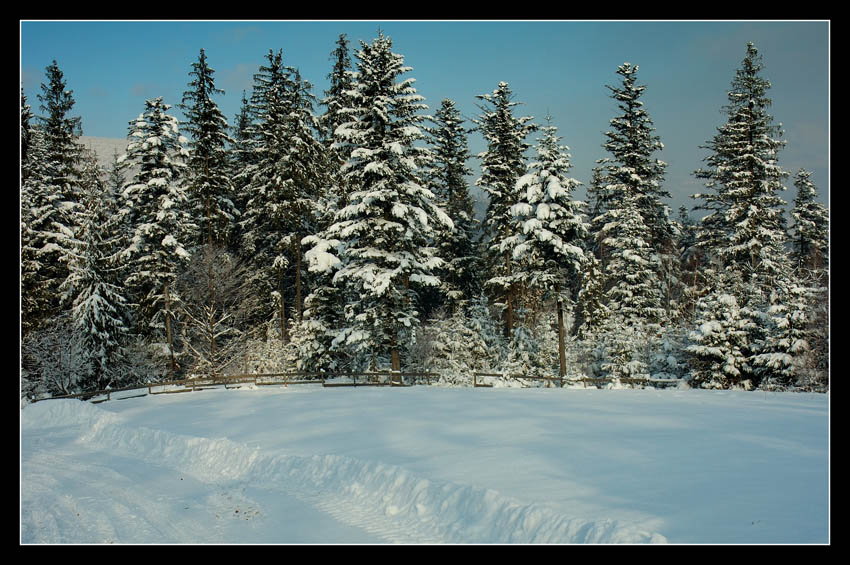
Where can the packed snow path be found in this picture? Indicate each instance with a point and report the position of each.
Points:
(426, 465)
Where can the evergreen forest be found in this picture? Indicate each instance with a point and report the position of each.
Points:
(336, 232)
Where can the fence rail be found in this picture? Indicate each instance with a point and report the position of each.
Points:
(328, 380)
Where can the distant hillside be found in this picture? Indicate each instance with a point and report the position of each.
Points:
(104, 147)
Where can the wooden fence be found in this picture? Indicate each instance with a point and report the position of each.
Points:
(328, 380)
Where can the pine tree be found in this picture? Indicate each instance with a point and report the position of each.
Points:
(632, 294)
(810, 232)
(590, 309)
(335, 100)
(501, 166)
(37, 289)
(50, 200)
(241, 160)
(208, 180)
(158, 207)
(692, 263)
(94, 288)
(720, 353)
(551, 229)
(745, 227)
(287, 173)
(810, 257)
(455, 348)
(306, 173)
(744, 231)
(26, 135)
(386, 229)
(631, 170)
(447, 177)
(782, 359)
(634, 232)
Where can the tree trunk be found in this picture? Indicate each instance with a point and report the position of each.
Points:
(211, 313)
(298, 306)
(562, 356)
(172, 369)
(283, 337)
(509, 313)
(395, 359)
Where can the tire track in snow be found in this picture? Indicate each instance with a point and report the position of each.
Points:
(384, 500)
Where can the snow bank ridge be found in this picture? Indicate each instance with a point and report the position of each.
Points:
(384, 499)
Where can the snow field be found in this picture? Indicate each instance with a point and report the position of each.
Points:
(426, 465)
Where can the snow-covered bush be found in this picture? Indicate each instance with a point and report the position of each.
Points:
(451, 347)
(719, 346)
(54, 360)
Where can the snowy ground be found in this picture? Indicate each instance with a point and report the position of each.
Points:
(419, 465)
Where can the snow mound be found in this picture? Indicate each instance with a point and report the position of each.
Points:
(386, 500)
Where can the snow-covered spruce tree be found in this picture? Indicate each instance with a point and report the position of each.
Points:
(37, 292)
(550, 229)
(783, 360)
(632, 296)
(26, 128)
(631, 168)
(335, 100)
(590, 309)
(157, 205)
(525, 355)
(486, 326)
(288, 172)
(808, 312)
(459, 349)
(208, 180)
(241, 160)
(632, 176)
(745, 225)
(502, 164)
(810, 233)
(50, 200)
(263, 219)
(720, 350)
(744, 231)
(461, 275)
(323, 306)
(386, 229)
(693, 263)
(94, 288)
(306, 173)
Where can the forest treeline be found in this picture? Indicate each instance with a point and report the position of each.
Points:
(339, 234)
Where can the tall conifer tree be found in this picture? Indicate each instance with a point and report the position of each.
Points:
(502, 164)
(810, 232)
(629, 182)
(550, 229)
(745, 226)
(208, 179)
(158, 209)
(335, 100)
(744, 230)
(461, 276)
(385, 232)
(95, 286)
(51, 196)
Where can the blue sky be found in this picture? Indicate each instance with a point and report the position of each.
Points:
(555, 67)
